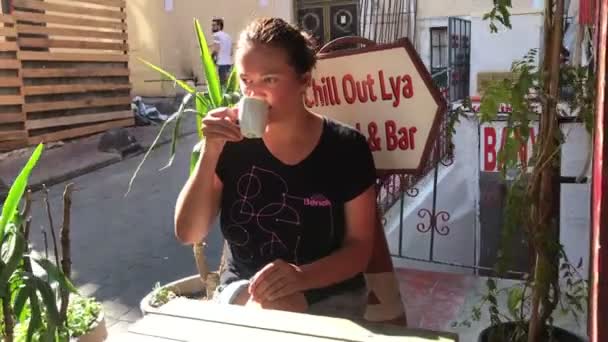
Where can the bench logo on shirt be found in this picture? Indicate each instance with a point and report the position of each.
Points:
(317, 201)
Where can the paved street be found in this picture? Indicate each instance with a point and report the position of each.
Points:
(122, 246)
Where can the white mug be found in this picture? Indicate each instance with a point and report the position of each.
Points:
(253, 116)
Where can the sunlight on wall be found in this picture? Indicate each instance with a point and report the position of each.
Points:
(167, 38)
(442, 8)
(143, 29)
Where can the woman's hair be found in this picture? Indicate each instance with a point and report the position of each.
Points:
(277, 33)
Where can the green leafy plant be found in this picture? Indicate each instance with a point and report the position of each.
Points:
(500, 12)
(546, 90)
(83, 313)
(29, 300)
(214, 96)
(161, 296)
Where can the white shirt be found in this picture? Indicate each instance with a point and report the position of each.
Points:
(224, 55)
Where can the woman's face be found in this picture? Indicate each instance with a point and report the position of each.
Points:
(265, 72)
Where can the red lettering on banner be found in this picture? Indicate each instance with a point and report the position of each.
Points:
(335, 90)
(330, 90)
(361, 91)
(370, 87)
(396, 86)
(503, 141)
(373, 140)
(408, 87)
(350, 98)
(318, 93)
(391, 135)
(523, 150)
(412, 132)
(404, 143)
(385, 95)
(402, 138)
(489, 143)
(327, 90)
(490, 157)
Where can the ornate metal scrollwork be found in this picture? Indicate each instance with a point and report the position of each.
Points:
(444, 216)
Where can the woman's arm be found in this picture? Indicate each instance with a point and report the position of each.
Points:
(353, 257)
(198, 202)
(279, 279)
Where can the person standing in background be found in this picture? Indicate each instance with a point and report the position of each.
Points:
(222, 49)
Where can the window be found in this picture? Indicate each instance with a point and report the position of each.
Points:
(439, 56)
(459, 63)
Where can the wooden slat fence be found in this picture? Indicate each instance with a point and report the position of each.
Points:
(12, 117)
(69, 75)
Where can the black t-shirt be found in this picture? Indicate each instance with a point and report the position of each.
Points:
(270, 210)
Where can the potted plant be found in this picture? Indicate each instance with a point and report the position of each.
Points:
(35, 291)
(535, 93)
(215, 95)
(85, 319)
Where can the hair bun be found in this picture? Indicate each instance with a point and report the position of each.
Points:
(275, 32)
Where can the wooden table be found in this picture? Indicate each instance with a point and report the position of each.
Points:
(188, 320)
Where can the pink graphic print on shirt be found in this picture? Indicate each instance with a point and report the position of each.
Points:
(278, 216)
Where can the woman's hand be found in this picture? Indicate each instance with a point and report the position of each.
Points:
(276, 280)
(219, 126)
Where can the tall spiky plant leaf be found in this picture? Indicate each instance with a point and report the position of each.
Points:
(54, 273)
(175, 137)
(195, 155)
(233, 84)
(16, 247)
(154, 143)
(21, 298)
(201, 108)
(50, 305)
(168, 75)
(213, 80)
(35, 322)
(17, 189)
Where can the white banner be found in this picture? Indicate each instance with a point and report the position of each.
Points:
(386, 93)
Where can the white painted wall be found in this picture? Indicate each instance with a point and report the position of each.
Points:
(489, 52)
(492, 52)
(575, 198)
(435, 8)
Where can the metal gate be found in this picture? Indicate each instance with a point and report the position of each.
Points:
(459, 58)
(328, 20)
(382, 21)
(434, 228)
(385, 21)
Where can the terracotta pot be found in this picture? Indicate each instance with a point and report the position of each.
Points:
(97, 333)
(190, 286)
(559, 334)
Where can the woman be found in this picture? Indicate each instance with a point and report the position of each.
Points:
(297, 206)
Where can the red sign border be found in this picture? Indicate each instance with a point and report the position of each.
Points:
(326, 52)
